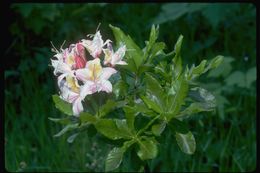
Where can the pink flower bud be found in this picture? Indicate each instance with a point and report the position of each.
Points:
(80, 56)
(79, 62)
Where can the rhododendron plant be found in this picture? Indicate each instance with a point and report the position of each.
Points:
(112, 86)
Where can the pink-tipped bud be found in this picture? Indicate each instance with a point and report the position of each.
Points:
(80, 62)
(80, 56)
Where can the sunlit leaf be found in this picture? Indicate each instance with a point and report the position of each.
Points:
(176, 101)
(202, 95)
(115, 156)
(123, 127)
(177, 58)
(203, 68)
(155, 89)
(147, 149)
(130, 114)
(157, 129)
(108, 128)
(186, 142)
(196, 108)
(151, 103)
(114, 159)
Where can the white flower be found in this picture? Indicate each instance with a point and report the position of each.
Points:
(114, 58)
(71, 92)
(95, 46)
(95, 77)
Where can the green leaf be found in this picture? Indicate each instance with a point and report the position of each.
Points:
(72, 138)
(196, 108)
(142, 108)
(222, 70)
(108, 128)
(152, 48)
(130, 65)
(134, 52)
(156, 50)
(177, 47)
(114, 159)
(205, 101)
(123, 127)
(202, 95)
(186, 142)
(200, 69)
(63, 106)
(153, 37)
(151, 103)
(155, 90)
(145, 68)
(215, 62)
(115, 156)
(109, 106)
(66, 120)
(147, 149)
(157, 129)
(175, 102)
(87, 117)
(68, 127)
(120, 89)
(177, 58)
(130, 114)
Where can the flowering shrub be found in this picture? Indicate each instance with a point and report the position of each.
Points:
(109, 89)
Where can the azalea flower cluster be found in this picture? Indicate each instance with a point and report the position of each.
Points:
(80, 74)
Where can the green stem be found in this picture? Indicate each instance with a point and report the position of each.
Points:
(148, 125)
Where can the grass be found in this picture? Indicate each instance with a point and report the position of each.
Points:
(227, 144)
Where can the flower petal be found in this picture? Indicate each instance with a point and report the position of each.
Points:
(62, 67)
(121, 63)
(88, 88)
(95, 69)
(108, 56)
(77, 107)
(58, 56)
(62, 76)
(68, 95)
(107, 72)
(106, 86)
(83, 74)
(118, 55)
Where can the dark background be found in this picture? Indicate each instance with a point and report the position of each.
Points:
(226, 138)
